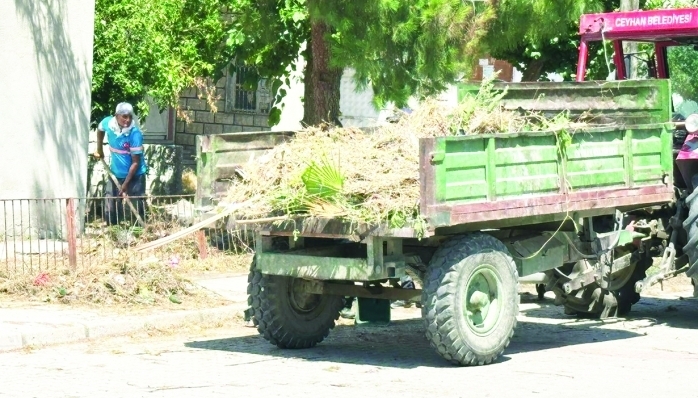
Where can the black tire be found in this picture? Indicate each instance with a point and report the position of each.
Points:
(540, 290)
(278, 316)
(621, 301)
(455, 265)
(626, 295)
(690, 225)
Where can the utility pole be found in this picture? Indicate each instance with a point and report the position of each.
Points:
(630, 49)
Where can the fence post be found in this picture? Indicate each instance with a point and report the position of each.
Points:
(72, 239)
(201, 242)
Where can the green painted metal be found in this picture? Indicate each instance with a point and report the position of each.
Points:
(509, 166)
(372, 312)
(551, 256)
(628, 102)
(316, 267)
(539, 253)
(220, 155)
(482, 305)
(624, 237)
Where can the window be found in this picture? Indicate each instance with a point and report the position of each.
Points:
(239, 99)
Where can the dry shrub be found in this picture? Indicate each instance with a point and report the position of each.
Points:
(147, 281)
(189, 182)
(110, 272)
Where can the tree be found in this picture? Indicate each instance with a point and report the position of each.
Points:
(683, 60)
(403, 48)
(551, 43)
(156, 48)
(400, 48)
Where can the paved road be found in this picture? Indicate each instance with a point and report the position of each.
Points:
(653, 354)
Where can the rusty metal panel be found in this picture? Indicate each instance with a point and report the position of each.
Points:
(311, 227)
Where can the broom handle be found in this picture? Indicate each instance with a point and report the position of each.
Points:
(116, 181)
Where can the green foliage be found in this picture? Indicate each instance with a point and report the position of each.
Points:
(476, 111)
(683, 60)
(405, 48)
(323, 179)
(267, 35)
(154, 47)
(683, 64)
(319, 191)
(482, 112)
(399, 48)
(657, 4)
(549, 41)
(534, 21)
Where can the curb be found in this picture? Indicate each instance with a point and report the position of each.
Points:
(82, 332)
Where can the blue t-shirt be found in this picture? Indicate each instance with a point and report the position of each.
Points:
(123, 142)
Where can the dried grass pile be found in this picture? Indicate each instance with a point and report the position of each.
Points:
(111, 282)
(368, 177)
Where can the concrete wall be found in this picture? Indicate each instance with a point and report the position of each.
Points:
(45, 78)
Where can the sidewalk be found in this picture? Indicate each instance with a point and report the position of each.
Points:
(37, 325)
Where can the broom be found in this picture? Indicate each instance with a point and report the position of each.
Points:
(126, 198)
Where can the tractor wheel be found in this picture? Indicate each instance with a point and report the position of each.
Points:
(690, 225)
(287, 317)
(471, 299)
(592, 301)
(626, 295)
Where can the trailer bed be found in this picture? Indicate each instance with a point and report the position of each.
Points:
(622, 159)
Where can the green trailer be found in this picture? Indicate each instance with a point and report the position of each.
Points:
(579, 213)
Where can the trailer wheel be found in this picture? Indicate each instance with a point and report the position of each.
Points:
(286, 317)
(471, 299)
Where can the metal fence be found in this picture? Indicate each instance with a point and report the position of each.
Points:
(43, 234)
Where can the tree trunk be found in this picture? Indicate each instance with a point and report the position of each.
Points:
(321, 81)
(630, 48)
(533, 70)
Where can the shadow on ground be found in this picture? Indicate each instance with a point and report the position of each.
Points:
(672, 312)
(403, 345)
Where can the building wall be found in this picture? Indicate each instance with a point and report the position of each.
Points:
(198, 117)
(45, 79)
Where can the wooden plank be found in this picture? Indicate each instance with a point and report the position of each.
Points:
(219, 155)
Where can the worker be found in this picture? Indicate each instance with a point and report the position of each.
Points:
(127, 163)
